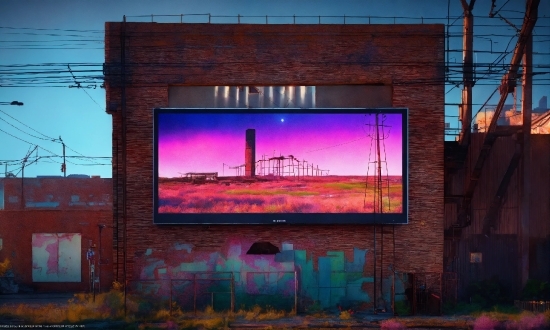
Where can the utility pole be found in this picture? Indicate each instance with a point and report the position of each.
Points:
(507, 86)
(23, 176)
(100, 226)
(465, 113)
(526, 107)
(64, 165)
(23, 183)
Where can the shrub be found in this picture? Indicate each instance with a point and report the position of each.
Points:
(529, 322)
(536, 290)
(402, 308)
(345, 315)
(315, 307)
(462, 308)
(117, 286)
(391, 324)
(484, 322)
(488, 293)
(5, 266)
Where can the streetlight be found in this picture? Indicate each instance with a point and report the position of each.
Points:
(12, 103)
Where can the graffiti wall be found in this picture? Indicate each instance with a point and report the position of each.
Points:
(198, 279)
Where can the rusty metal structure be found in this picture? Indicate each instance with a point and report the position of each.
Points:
(490, 205)
(273, 166)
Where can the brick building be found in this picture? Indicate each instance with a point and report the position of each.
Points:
(150, 65)
(47, 226)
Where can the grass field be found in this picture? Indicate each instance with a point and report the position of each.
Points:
(326, 194)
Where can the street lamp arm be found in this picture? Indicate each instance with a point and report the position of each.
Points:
(12, 103)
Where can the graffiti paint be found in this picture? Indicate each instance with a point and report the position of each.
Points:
(258, 279)
(56, 257)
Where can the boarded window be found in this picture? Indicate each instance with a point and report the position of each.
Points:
(56, 257)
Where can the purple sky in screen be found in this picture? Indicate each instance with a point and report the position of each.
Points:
(341, 143)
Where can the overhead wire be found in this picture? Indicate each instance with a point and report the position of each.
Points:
(46, 138)
(54, 81)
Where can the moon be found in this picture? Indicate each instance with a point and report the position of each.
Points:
(282, 120)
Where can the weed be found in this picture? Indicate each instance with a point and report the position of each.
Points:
(209, 310)
(391, 324)
(345, 315)
(402, 308)
(253, 313)
(256, 313)
(5, 266)
(488, 293)
(117, 286)
(485, 322)
(536, 290)
(529, 321)
(315, 307)
(271, 314)
(107, 305)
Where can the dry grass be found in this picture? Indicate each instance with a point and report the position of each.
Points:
(345, 315)
(287, 195)
(391, 324)
(434, 322)
(524, 320)
(5, 266)
(207, 323)
(256, 313)
(107, 306)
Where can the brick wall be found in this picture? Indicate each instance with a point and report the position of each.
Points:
(58, 215)
(410, 58)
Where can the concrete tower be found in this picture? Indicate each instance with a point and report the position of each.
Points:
(250, 153)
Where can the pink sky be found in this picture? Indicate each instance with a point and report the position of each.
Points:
(336, 142)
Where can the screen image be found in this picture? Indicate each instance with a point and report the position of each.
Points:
(277, 166)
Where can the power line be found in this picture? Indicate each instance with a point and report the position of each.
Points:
(79, 86)
(48, 137)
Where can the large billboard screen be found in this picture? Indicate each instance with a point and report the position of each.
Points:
(277, 166)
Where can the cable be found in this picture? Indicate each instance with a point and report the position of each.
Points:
(78, 86)
(49, 137)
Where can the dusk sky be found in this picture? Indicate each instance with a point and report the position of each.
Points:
(340, 143)
(39, 40)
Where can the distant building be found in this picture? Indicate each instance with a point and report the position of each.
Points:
(48, 225)
(511, 116)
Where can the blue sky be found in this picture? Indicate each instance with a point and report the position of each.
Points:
(38, 32)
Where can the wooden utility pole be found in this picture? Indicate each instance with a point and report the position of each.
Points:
(468, 72)
(507, 86)
(526, 107)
